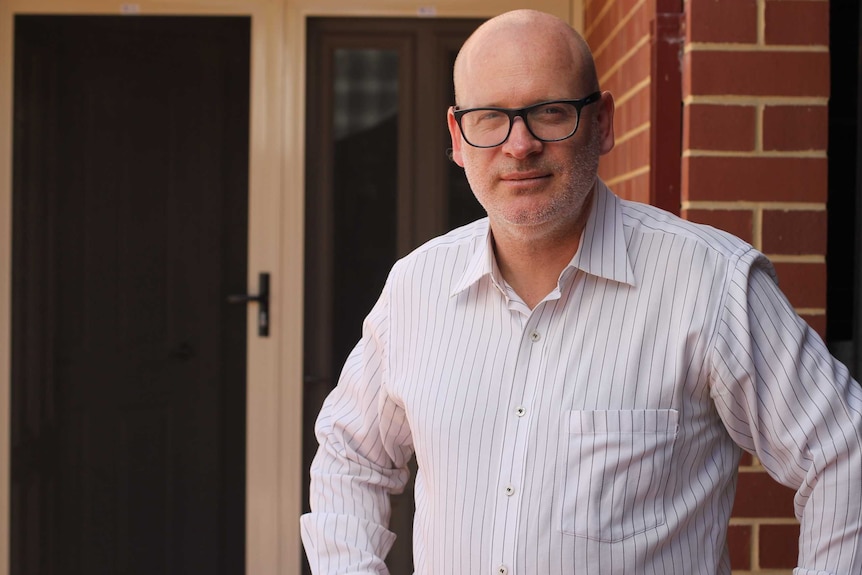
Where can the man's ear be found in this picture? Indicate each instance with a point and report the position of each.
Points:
(606, 123)
(455, 134)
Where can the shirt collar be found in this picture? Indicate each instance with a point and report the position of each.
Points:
(603, 250)
(480, 264)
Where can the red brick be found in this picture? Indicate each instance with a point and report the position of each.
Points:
(713, 127)
(758, 495)
(635, 188)
(737, 222)
(795, 127)
(754, 179)
(609, 167)
(804, 284)
(817, 323)
(633, 113)
(779, 546)
(755, 73)
(627, 156)
(632, 72)
(630, 155)
(722, 21)
(797, 22)
(794, 232)
(739, 544)
(600, 27)
(611, 49)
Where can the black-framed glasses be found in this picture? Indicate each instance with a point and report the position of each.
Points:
(547, 121)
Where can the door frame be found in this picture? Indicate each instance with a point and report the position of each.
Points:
(296, 25)
(275, 240)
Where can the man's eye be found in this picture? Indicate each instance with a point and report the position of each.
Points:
(552, 110)
(489, 115)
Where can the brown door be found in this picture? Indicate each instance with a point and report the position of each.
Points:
(130, 199)
(379, 183)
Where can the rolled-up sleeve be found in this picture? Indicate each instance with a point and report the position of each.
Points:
(365, 445)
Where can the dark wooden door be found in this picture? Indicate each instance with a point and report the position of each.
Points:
(379, 183)
(130, 199)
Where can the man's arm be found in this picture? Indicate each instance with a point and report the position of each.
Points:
(783, 397)
(362, 459)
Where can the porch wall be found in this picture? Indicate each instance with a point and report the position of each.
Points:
(754, 92)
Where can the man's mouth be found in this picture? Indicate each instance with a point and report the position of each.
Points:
(524, 176)
(531, 175)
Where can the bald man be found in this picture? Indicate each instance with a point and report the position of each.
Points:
(577, 375)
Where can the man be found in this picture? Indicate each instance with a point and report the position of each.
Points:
(577, 375)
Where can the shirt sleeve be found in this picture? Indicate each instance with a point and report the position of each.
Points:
(783, 397)
(365, 445)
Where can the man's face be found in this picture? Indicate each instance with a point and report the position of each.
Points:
(530, 188)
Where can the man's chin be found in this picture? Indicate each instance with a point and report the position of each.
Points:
(526, 225)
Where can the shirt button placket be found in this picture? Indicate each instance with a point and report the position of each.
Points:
(535, 336)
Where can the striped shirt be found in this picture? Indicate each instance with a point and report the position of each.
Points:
(598, 433)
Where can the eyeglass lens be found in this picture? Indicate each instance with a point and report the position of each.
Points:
(549, 122)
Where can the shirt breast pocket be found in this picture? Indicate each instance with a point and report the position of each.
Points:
(616, 472)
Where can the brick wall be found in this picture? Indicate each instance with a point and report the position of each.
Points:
(754, 91)
(618, 34)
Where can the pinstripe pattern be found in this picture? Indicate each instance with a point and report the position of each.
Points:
(599, 433)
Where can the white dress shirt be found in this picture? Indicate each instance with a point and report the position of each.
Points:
(599, 433)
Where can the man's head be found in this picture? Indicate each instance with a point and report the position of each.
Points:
(530, 187)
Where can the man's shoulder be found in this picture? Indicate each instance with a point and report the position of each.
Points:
(468, 233)
(470, 236)
(451, 249)
(643, 219)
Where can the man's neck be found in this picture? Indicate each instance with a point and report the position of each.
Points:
(533, 272)
(531, 261)
(532, 267)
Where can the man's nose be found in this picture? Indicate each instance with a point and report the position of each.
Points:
(521, 143)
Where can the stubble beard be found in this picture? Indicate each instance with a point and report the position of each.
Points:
(562, 212)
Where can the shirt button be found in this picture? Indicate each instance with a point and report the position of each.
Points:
(535, 336)
(520, 411)
(502, 570)
(510, 490)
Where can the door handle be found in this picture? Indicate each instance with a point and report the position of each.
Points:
(262, 300)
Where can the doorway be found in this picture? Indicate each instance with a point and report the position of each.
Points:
(378, 184)
(844, 247)
(130, 211)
